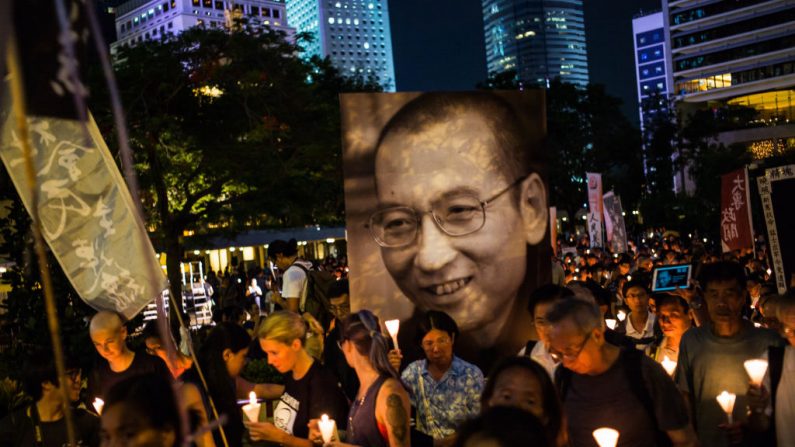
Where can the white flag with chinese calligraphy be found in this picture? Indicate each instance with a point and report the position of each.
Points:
(87, 215)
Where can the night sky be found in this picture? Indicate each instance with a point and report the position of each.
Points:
(438, 45)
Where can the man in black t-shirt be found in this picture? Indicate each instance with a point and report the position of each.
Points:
(42, 423)
(118, 362)
(602, 385)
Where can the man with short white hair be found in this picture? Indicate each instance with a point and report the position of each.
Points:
(118, 362)
(602, 385)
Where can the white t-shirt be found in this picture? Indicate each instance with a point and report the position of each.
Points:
(785, 399)
(294, 282)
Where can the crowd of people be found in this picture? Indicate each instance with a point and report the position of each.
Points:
(602, 358)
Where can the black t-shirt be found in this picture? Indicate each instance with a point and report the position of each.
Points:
(102, 378)
(607, 400)
(18, 430)
(334, 359)
(315, 394)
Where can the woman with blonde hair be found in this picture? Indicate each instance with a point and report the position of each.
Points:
(310, 390)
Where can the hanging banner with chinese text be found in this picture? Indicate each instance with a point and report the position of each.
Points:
(595, 208)
(87, 215)
(776, 189)
(735, 212)
(614, 223)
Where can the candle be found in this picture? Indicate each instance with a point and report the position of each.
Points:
(756, 369)
(629, 277)
(726, 401)
(326, 428)
(621, 315)
(606, 437)
(98, 405)
(669, 365)
(611, 323)
(393, 326)
(252, 407)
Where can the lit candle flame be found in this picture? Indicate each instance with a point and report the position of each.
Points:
(756, 369)
(669, 365)
(326, 428)
(611, 323)
(606, 437)
(726, 401)
(252, 398)
(393, 327)
(98, 405)
(621, 315)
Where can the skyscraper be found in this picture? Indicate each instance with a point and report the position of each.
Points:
(354, 34)
(737, 53)
(540, 39)
(140, 20)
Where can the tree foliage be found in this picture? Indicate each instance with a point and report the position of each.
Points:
(230, 131)
(586, 131)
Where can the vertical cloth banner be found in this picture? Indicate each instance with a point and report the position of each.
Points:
(614, 223)
(87, 215)
(736, 231)
(595, 208)
(776, 189)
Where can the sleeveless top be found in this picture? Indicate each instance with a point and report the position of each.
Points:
(363, 429)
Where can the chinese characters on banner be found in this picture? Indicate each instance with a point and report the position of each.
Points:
(735, 212)
(776, 189)
(87, 215)
(614, 223)
(595, 208)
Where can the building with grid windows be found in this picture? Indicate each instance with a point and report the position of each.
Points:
(738, 52)
(354, 34)
(140, 20)
(539, 39)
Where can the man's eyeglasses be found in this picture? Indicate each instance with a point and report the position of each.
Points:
(455, 215)
(571, 354)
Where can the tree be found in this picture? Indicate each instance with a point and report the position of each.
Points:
(230, 131)
(586, 131)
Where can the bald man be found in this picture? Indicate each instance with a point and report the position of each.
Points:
(117, 361)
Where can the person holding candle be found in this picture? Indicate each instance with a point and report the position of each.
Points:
(772, 403)
(142, 411)
(602, 385)
(379, 417)
(445, 390)
(221, 358)
(711, 356)
(525, 384)
(674, 321)
(117, 361)
(42, 422)
(309, 390)
(640, 322)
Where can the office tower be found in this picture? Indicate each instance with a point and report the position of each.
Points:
(739, 52)
(354, 34)
(539, 39)
(140, 20)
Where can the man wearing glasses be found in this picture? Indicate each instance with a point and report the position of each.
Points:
(460, 208)
(602, 385)
(42, 423)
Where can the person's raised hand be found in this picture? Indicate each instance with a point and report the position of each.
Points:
(395, 357)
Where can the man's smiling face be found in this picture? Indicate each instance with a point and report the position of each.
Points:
(474, 277)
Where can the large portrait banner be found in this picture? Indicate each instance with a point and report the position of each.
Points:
(446, 208)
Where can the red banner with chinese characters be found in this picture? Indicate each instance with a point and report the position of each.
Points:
(736, 231)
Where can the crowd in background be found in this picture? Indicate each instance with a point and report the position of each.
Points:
(609, 352)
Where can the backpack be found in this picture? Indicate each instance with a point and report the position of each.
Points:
(631, 361)
(318, 284)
